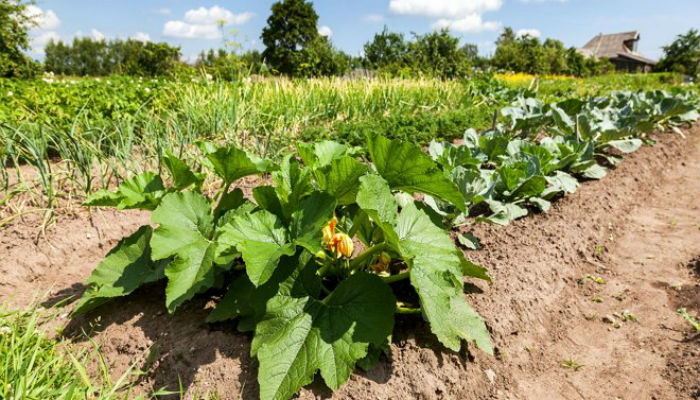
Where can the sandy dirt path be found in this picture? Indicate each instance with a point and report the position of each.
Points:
(624, 331)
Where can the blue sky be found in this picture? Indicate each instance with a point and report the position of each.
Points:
(191, 24)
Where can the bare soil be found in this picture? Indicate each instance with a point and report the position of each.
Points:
(583, 304)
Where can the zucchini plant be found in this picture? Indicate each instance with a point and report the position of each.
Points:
(315, 264)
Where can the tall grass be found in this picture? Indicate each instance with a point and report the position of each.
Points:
(34, 366)
(78, 134)
(101, 139)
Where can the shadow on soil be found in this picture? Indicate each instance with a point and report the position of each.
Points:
(66, 295)
(180, 344)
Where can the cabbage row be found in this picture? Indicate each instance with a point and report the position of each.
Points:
(543, 151)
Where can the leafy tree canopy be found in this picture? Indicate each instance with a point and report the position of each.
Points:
(683, 55)
(15, 23)
(291, 27)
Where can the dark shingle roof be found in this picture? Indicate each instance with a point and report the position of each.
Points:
(613, 46)
(637, 57)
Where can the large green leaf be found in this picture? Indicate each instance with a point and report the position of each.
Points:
(406, 167)
(436, 274)
(301, 333)
(322, 153)
(125, 268)
(560, 182)
(625, 145)
(266, 198)
(180, 173)
(341, 179)
(503, 213)
(471, 183)
(292, 183)
(142, 191)
(185, 229)
(531, 186)
(308, 220)
(231, 164)
(229, 201)
(375, 199)
(595, 171)
(262, 240)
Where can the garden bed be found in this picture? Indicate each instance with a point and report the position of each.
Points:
(635, 230)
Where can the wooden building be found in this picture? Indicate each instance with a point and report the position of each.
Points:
(620, 49)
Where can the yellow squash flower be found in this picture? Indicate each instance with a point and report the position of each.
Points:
(339, 243)
(344, 245)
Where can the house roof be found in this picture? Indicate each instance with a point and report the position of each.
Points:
(613, 46)
(637, 57)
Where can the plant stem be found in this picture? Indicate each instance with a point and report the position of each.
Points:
(222, 191)
(356, 262)
(324, 268)
(408, 310)
(397, 277)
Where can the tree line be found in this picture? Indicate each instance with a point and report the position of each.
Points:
(294, 47)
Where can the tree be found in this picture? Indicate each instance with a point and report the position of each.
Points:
(86, 56)
(291, 27)
(471, 51)
(386, 50)
(15, 23)
(319, 58)
(527, 54)
(438, 54)
(508, 55)
(683, 55)
(554, 57)
(475, 60)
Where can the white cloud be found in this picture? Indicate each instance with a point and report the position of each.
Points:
(44, 30)
(215, 15)
(204, 23)
(455, 15)
(543, 1)
(97, 35)
(181, 29)
(93, 34)
(325, 31)
(141, 37)
(40, 41)
(472, 23)
(535, 33)
(443, 8)
(163, 11)
(373, 18)
(45, 20)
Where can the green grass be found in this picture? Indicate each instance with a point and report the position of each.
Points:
(35, 366)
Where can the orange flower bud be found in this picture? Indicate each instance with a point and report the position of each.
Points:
(327, 234)
(329, 230)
